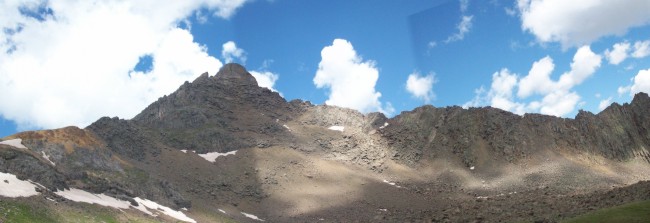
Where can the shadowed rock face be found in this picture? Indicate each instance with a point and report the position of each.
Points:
(291, 166)
(222, 113)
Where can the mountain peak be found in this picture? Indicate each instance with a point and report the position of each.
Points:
(641, 98)
(235, 74)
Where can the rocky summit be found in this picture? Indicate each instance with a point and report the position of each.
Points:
(222, 149)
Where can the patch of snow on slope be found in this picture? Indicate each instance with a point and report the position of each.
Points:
(222, 211)
(47, 158)
(384, 126)
(287, 127)
(392, 184)
(337, 128)
(18, 143)
(10, 186)
(251, 216)
(164, 210)
(145, 205)
(83, 196)
(212, 157)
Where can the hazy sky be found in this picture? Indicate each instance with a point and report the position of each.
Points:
(69, 63)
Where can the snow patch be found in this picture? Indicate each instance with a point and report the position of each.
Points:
(251, 216)
(222, 211)
(392, 184)
(212, 157)
(164, 210)
(184, 150)
(287, 127)
(337, 128)
(144, 205)
(83, 196)
(10, 186)
(47, 158)
(471, 168)
(384, 126)
(18, 143)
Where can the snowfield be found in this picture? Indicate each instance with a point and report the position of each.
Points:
(163, 209)
(10, 186)
(212, 157)
(337, 128)
(18, 143)
(251, 216)
(83, 196)
(148, 207)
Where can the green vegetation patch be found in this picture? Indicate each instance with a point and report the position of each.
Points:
(12, 211)
(632, 212)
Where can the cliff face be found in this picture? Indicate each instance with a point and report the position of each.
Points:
(298, 159)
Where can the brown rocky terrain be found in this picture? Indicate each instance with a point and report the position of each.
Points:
(298, 162)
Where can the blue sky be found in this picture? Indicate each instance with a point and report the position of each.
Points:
(71, 63)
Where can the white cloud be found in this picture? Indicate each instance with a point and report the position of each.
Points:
(538, 79)
(559, 103)
(500, 94)
(463, 28)
(574, 23)
(76, 64)
(640, 83)
(351, 80)
(585, 62)
(618, 53)
(230, 52)
(421, 86)
(604, 103)
(641, 49)
(265, 79)
(503, 82)
(557, 96)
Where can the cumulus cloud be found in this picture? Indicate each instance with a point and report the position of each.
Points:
(641, 49)
(350, 79)
(640, 83)
(265, 79)
(69, 63)
(230, 52)
(500, 94)
(538, 79)
(575, 23)
(618, 53)
(421, 86)
(558, 98)
(623, 50)
(604, 103)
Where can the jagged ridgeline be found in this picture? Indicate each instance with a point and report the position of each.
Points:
(222, 149)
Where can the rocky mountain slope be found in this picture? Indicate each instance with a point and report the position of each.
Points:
(222, 149)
